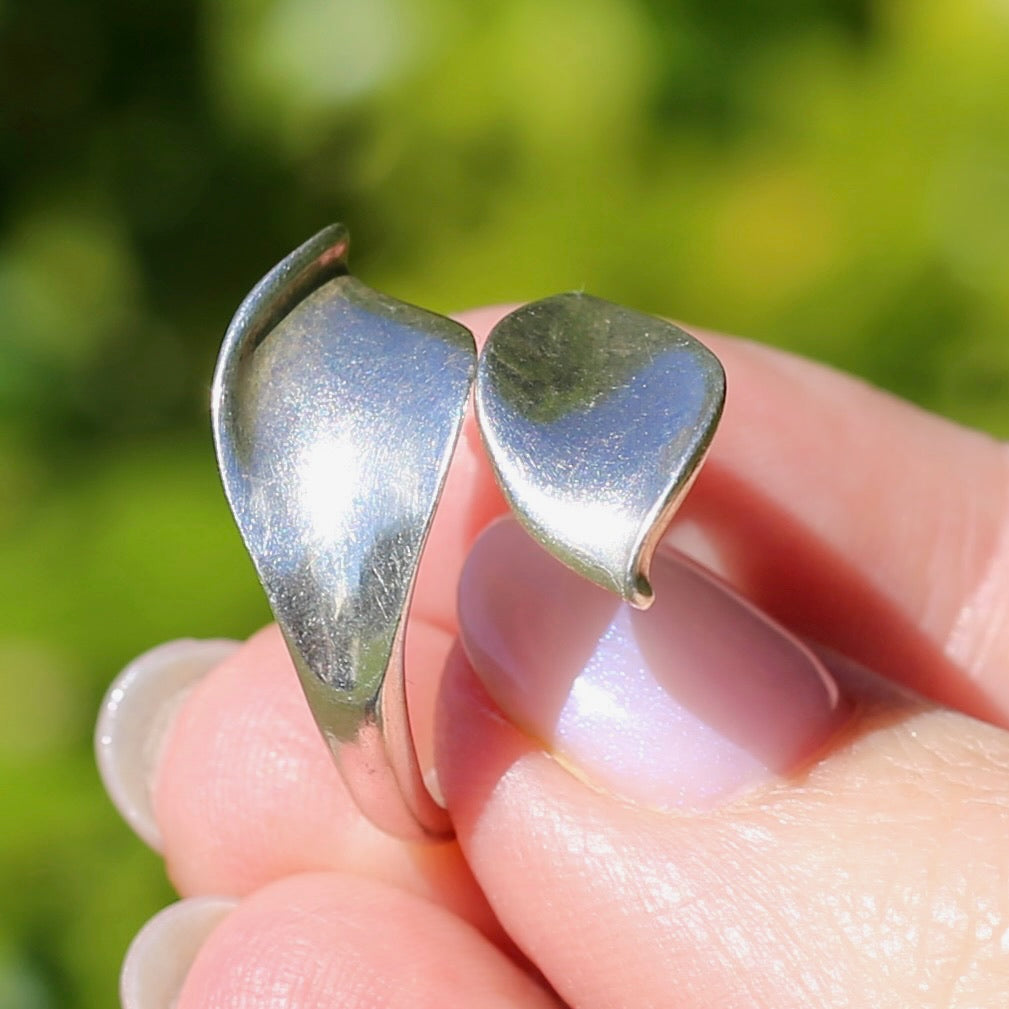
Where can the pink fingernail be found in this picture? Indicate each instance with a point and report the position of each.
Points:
(679, 706)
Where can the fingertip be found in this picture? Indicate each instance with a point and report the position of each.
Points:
(135, 718)
(324, 939)
(162, 953)
(608, 896)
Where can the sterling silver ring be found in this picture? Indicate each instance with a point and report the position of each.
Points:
(335, 413)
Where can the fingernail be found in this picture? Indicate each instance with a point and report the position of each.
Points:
(135, 715)
(680, 706)
(158, 960)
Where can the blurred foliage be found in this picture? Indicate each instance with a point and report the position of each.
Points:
(827, 175)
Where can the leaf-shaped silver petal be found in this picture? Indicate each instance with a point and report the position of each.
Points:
(596, 418)
(335, 412)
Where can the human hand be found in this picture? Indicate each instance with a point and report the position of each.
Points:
(723, 829)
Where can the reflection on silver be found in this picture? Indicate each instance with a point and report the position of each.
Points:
(596, 419)
(335, 412)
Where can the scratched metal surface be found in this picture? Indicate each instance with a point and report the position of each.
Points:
(336, 410)
(596, 418)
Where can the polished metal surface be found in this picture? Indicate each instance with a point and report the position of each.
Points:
(596, 419)
(335, 412)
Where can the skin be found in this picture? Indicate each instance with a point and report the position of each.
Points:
(878, 877)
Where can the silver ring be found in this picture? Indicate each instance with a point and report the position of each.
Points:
(335, 413)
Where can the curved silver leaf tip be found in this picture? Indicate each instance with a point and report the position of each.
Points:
(596, 419)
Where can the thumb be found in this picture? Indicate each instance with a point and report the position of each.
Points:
(685, 808)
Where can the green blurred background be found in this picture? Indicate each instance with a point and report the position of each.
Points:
(828, 175)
